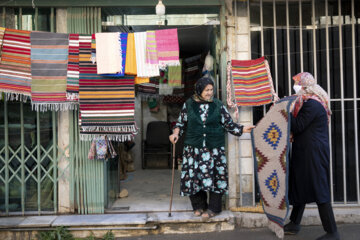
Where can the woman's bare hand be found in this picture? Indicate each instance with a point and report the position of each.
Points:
(247, 129)
(174, 138)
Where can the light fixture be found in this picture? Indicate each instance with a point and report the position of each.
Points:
(160, 8)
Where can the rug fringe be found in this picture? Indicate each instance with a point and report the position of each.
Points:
(164, 64)
(43, 107)
(16, 96)
(126, 129)
(111, 137)
(279, 231)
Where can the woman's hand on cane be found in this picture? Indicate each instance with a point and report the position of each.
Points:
(175, 136)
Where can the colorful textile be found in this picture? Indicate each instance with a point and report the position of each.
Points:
(106, 103)
(15, 66)
(167, 44)
(49, 59)
(140, 80)
(192, 73)
(270, 140)
(130, 64)
(251, 82)
(310, 90)
(144, 69)
(151, 51)
(108, 53)
(151, 89)
(2, 32)
(101, 149)
(174, 75)
(72, 88)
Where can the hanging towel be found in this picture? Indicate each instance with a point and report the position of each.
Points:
(72, 88)
(174, 75)
(49, 59)
(252, 82)
(167, 44)
(143, 69)
(123, 43)
(108, 53)
(151, 51)
(130, 64)
(107, 104)
(15, 66)
(2, 32)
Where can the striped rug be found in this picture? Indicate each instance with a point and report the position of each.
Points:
(270, 141)
(107, 104)
(2, 32)
(49, 59)
(251, 82)
(15, 65)
(72, 87)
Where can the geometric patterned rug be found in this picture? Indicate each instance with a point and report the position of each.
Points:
(270, 140)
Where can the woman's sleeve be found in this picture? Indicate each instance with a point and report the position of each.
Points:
(182, 120)
(229, 125)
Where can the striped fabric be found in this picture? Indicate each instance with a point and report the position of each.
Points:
(251, 82)
(15, 66)
(106, 103)
(150, 89)
(49, 59)
(167, 44)
(151, 51)
(144, 69)
(72, 88)
(2, 32)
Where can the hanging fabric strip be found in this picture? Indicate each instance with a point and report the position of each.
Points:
(130, 64)
(167, 44)
(49, 59)
(108, 53)
(174, 75)
(151, 50)
(107, 104)
(15, 66)
(72, 88)
(144, 69)
(123, 44)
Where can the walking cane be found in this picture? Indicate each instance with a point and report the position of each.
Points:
(172, 178)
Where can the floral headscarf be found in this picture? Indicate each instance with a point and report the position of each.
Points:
(310, 90)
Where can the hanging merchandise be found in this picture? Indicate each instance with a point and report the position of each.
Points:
(72, 87)
(174, 75)
(108, 53)
(153, 105)
(101, 149)
(151, 50)
(191, 74)
(49, 60)
(167, 44)
(270, 141)
(2, 32)
(252, 82)
(15, 66)
(107, 104)
(130, 63)
(149, 90)
(209, 63)
(143, 69)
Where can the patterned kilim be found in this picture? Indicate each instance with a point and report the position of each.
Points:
(49, 60)
(72, 88)
(251, 82)
(271, 145)
(15, 66)
(106, 103)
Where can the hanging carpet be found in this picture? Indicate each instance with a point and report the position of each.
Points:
(106, 103)
(167, 44)
(270, 140)
(49, 60)
(15, 65)
(72, 88)
(252, 82)
(150, 89)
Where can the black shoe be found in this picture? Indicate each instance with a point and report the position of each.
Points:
(330, 236)
(291, 228)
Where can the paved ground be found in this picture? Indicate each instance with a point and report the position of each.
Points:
(347, 232)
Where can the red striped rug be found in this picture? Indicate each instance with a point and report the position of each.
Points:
(72, 87)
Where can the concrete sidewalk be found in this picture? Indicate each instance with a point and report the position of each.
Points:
(139, 224)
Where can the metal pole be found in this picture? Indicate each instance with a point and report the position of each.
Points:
(6, 133)
(23, 184)
(301, 38)
(314, 38)
(288, 45)
(275, 48)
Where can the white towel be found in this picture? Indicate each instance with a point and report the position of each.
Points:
(144, 69)
(108, 53)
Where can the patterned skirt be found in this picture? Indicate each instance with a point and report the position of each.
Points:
(203, 169)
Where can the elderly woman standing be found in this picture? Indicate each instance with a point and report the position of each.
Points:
(309, 164)
(204, 119)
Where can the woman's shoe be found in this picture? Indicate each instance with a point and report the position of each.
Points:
(208, 214)
(198, 212)
(291, 228)
(330, 236)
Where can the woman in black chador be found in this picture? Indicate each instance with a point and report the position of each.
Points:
(204, 120)
(309, 164)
